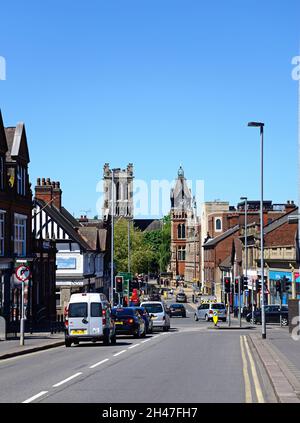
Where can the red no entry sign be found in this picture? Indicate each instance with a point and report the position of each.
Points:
(23, 273)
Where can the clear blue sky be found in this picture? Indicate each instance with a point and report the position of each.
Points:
(156, 83)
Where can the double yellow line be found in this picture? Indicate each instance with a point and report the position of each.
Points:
(245, 350)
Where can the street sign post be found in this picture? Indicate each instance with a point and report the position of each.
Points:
(23, 274)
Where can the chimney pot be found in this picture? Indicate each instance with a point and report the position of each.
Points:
(38, 181)
(43, 181)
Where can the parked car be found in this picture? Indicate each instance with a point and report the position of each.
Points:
(128, 321)
(206, 311)
(272, 313)
(181, 297)
(177, 310)
(146, 317)
(88, 318)
(159, 314)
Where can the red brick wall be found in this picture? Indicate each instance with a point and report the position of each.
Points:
(285, 235)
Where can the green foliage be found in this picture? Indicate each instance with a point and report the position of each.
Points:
(140, 255)
(150, 251)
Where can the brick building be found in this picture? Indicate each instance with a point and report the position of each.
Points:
(182, 228)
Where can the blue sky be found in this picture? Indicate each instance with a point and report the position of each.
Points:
(156, 83)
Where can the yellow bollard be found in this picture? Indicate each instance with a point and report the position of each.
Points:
(215, 318)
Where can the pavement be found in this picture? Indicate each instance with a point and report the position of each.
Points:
(32, 343)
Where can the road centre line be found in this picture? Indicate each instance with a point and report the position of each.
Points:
(35, 397)
(99, 363)
(67, 380)
(146, 340)
(119, 353)
(133, 346)
(258, 389)
(248, 394)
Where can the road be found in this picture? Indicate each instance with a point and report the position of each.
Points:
(191, 363)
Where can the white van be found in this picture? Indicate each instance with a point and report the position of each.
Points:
(89, 319)
(160, 316)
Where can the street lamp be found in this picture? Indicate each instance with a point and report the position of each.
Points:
(112, 238)
(246, 254)
(263, 317)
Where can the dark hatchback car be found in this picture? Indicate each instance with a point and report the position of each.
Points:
(272, 313)
(146, 317)
(177, 310)
(181, 297)
(128, 321)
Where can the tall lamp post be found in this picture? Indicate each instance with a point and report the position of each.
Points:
(246, 254)
(263, 316)
(112, 238)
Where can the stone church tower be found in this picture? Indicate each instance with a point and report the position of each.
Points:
(123, 191)
(181, 210)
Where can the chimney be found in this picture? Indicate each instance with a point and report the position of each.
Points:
(43, 190)
(290, 205)
(57, 195)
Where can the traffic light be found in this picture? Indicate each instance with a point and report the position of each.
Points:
(119, 283)
(258, 285)
(286, 284)
(278, 286)
(236, 285)
(245, 282)
(227, 284)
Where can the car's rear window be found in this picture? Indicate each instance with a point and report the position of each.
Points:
(78, 310)
(217, 306)
(176, 306)
(96, 310)
(153, 308)
(123, 312)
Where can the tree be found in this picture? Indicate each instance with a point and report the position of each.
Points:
(160, 243)
(140, 252)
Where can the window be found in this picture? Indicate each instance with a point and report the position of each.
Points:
(1, 172)
(21, 178)
(181, 253)
(96, 310)
(218, 224)
(20, 235)
(57, 298)
(181, 231)
(78, 310)
(2, 233)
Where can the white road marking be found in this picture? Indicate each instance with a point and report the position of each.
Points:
(35, 397)
(67, 380)
(119, 353)
(98, 364)
(133, 346)
(146, 340)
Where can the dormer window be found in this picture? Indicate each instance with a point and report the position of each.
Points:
(1, 172)
(21, 178)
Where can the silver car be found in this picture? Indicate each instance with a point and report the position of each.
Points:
(206, 311)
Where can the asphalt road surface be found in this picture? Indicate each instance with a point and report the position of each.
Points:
(192, 362)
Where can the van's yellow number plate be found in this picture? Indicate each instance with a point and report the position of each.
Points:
(78, 332)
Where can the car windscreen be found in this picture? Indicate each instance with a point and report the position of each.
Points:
(123, 312)
(217, 306)
(96, 310)
(153, 308)
(78, 310)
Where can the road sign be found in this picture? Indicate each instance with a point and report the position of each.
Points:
(23, 273)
